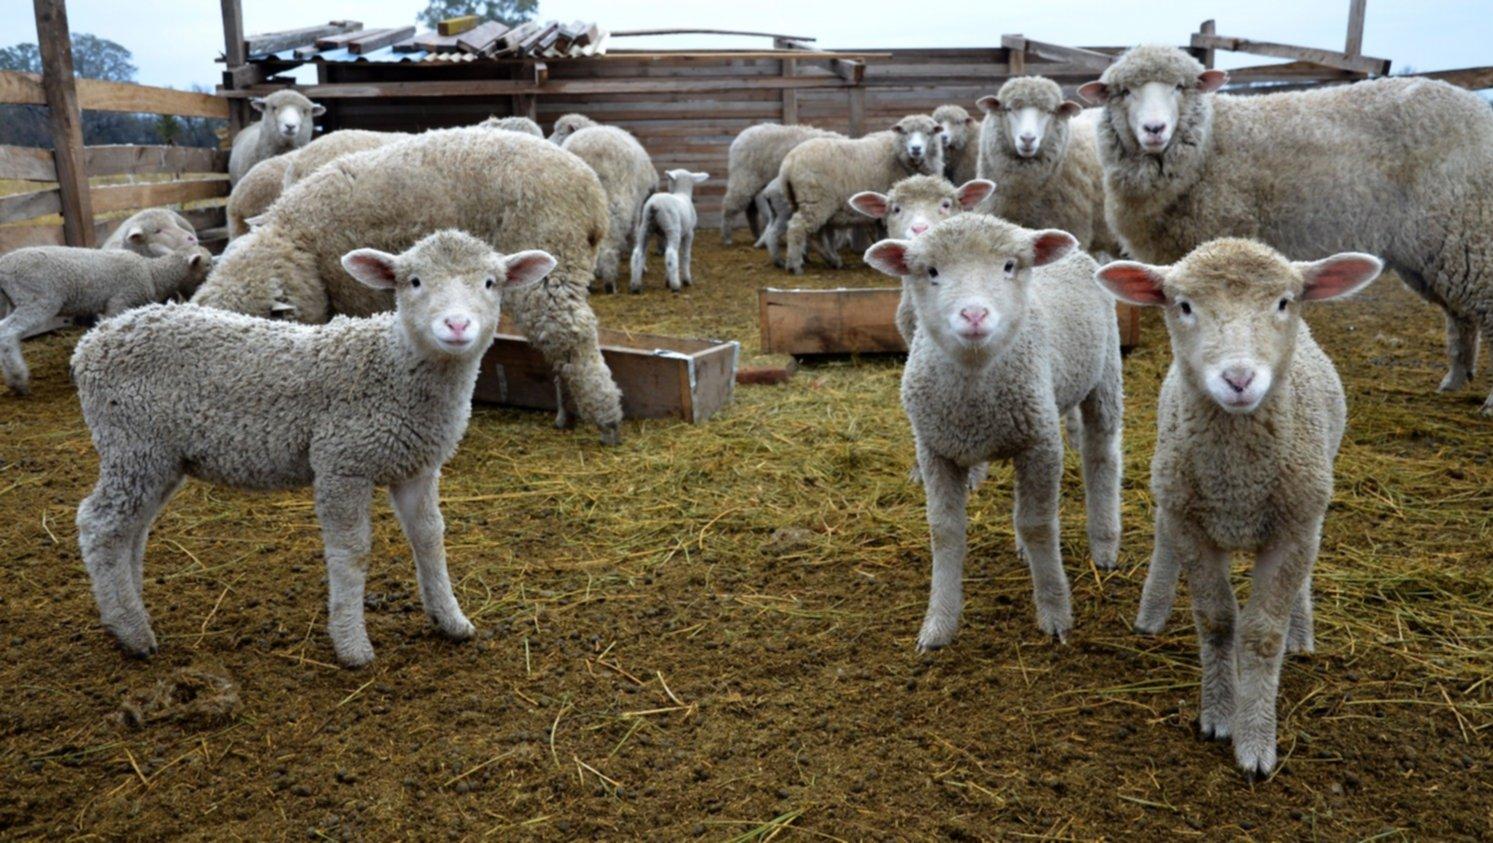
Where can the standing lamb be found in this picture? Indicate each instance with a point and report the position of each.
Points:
(961, 143)
(1401, 168)
(753, 161)
(1248, 426)
(820, 175)
(775, 211)
(1042, 152)
(507, 188)
(1012, 333)
(568, 125)
(42, 283)
(286, 125)
(151, 227)
(342, 407)
(627, 176)
(672, 217)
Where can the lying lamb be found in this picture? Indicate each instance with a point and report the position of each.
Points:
(286, 125)
(42, 283)
(1012, 333)
(1402, 168)
(342, 407)
(672, 217)
(145, 229)
(1248, 425)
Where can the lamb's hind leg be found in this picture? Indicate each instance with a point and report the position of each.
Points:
(417, 503)
(342, 505)
(14, 328)
(1302, 637)
(1461, 351)
(639, 259)
(1103, 412)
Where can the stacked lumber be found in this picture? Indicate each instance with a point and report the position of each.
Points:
(462, 38)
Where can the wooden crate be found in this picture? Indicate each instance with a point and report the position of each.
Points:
(660, 377)
(857, 321)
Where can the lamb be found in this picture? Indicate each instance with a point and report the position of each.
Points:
(1045, 158)
(1248, 425)
(142, 231)
(507, 188)
(513, 124)
(774, 210)
(342, 407)
(286, 125)
(820, 175)
(568, 125)
(1012, 333)
(672, 217)
(43, 283)
(1401, 168)
(628, 177)
(961, 143)
(256, 192)
(753, 161)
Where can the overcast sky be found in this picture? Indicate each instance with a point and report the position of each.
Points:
(176, 41)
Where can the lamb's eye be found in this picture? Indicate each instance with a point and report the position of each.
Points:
(1010, 266)
(490, 282)
(932, 272)
(946, 205)
(896, 209)
(1185, 308)
(414, 281)
(1284, 303)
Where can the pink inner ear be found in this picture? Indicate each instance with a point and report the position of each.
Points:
(1211, 80)
(1338, 276)
(988, 103)
(1052, 245)
(869, 203)
(972, 193)
(1095, 92)
(371, 266)
(1133, 282)
(889, 257)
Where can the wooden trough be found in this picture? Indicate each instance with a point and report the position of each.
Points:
(857, 321)
(660, 377)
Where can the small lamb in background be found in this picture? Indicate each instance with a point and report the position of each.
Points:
(286, 125)
(149, 227)
(259, 404)
(1248, 426)
(671, 216)
(569, 124)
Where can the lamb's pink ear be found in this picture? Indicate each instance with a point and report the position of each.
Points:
(1211, 80)
(525, 268)
(196, 260)
(1340, 275)
(988, 103)
(317, 109)
(371, 267)
(136, 234)
(870, 203)
(699, 177)
(257, 103)
(889, 257)
(1051, 244)
(1133, 282)
(1095, 92)
(974, 191)
(1069, 109)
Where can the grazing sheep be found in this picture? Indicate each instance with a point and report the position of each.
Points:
(286, 125)
(1012, 333)
(256, 192)
(150, 227)
(568, 125)
(182, 390)
(1401, 168)
(1044, 156)
(627, 176)
(961, 143)
(821, 174)
(753, 161)
(513, 124)
(1248, 425)
(507, 188)
(41, 283)
(672, 217)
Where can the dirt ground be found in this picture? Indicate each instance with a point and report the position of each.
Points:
(708, 632)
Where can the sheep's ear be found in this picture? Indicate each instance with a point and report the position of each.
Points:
(988, 103)
(317, 109)
(699, 177)
(1050, 245)
(196, 260)
(1211, 80)
(257, 103)
(1133, 282)
(1095, 92)
(525, 268)
(1340, 275)
(136, 234)
(371, 267)
(1069, 109)
(975, 191)
(969, 121)
(870, 203)
(889, 257)
(897, 127)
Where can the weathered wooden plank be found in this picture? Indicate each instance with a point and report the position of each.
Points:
(511, 42)
(481, 38)
(489, 87)
(1354, 44)
(1472, 78)
(378, 40)
(632, 33)
(24, 206)
(236, 73)
(113, 160)
(66, 120)
(844, 321)
(27, 163)
(123, 197)
(1056, 52)
(432, 42)
(274, 42)
(14, 237)
(339, 40)
(1330, 58)
(457, 25)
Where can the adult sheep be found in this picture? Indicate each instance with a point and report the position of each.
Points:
(753, 161)
(509, 189)
(286, 125)
(628, 178)
(1400, 168)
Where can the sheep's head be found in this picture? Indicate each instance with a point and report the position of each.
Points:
(919, 143)
(1150, 92)
(448, 288)
(683, 181)
(513, 124)
(958, 127)
(970, 279)
(1233, 307)
(568, 125)
(157, 227)
(1027, 113)
(199, 262)
(918, 203)
(288, 114)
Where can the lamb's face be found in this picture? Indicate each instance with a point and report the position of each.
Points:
(287, 114)
(920, 144)
(958, 127)
(916, 204)
(158, 230)
(199, 264)
(1148, 92)
(1233, 309)
(1029, 114)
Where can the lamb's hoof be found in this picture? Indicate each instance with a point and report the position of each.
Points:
(456, 627)
(1487, 409)
(635, 288)
(1105, 558)
(354, 654)
(1149, 626)
(20, 390)
(1055, 621)
(609, 286)
(611, 434)
(1256, 758)
(1453, 381)
(137, 640)
(1213, 727)
(935, 636)
(689, 282)
(1299, 644)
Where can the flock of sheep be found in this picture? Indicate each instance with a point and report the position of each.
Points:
(337, 340)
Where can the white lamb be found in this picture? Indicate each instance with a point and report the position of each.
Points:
(672, 217)
(627, 177)
(251, 403)
(286, 125)
(151, 227)
(1012, 333)
(1248, 425)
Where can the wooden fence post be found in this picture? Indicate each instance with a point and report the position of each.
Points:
(857, 111)
(790, 68)
(66, 120)
(1208, 27)
(235, 56)
(1354, 46)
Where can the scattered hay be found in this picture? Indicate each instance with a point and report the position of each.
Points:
(190, 697)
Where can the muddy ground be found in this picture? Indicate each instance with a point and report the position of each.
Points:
(708, 632)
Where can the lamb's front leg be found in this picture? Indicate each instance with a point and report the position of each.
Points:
(342, 505)
(687, 249)
(1215, 610)
(1100, 448)
(418, 505)
(945, 485)
(1160, 590)
(1039, 471)
(639, 258)
(1302, 637)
